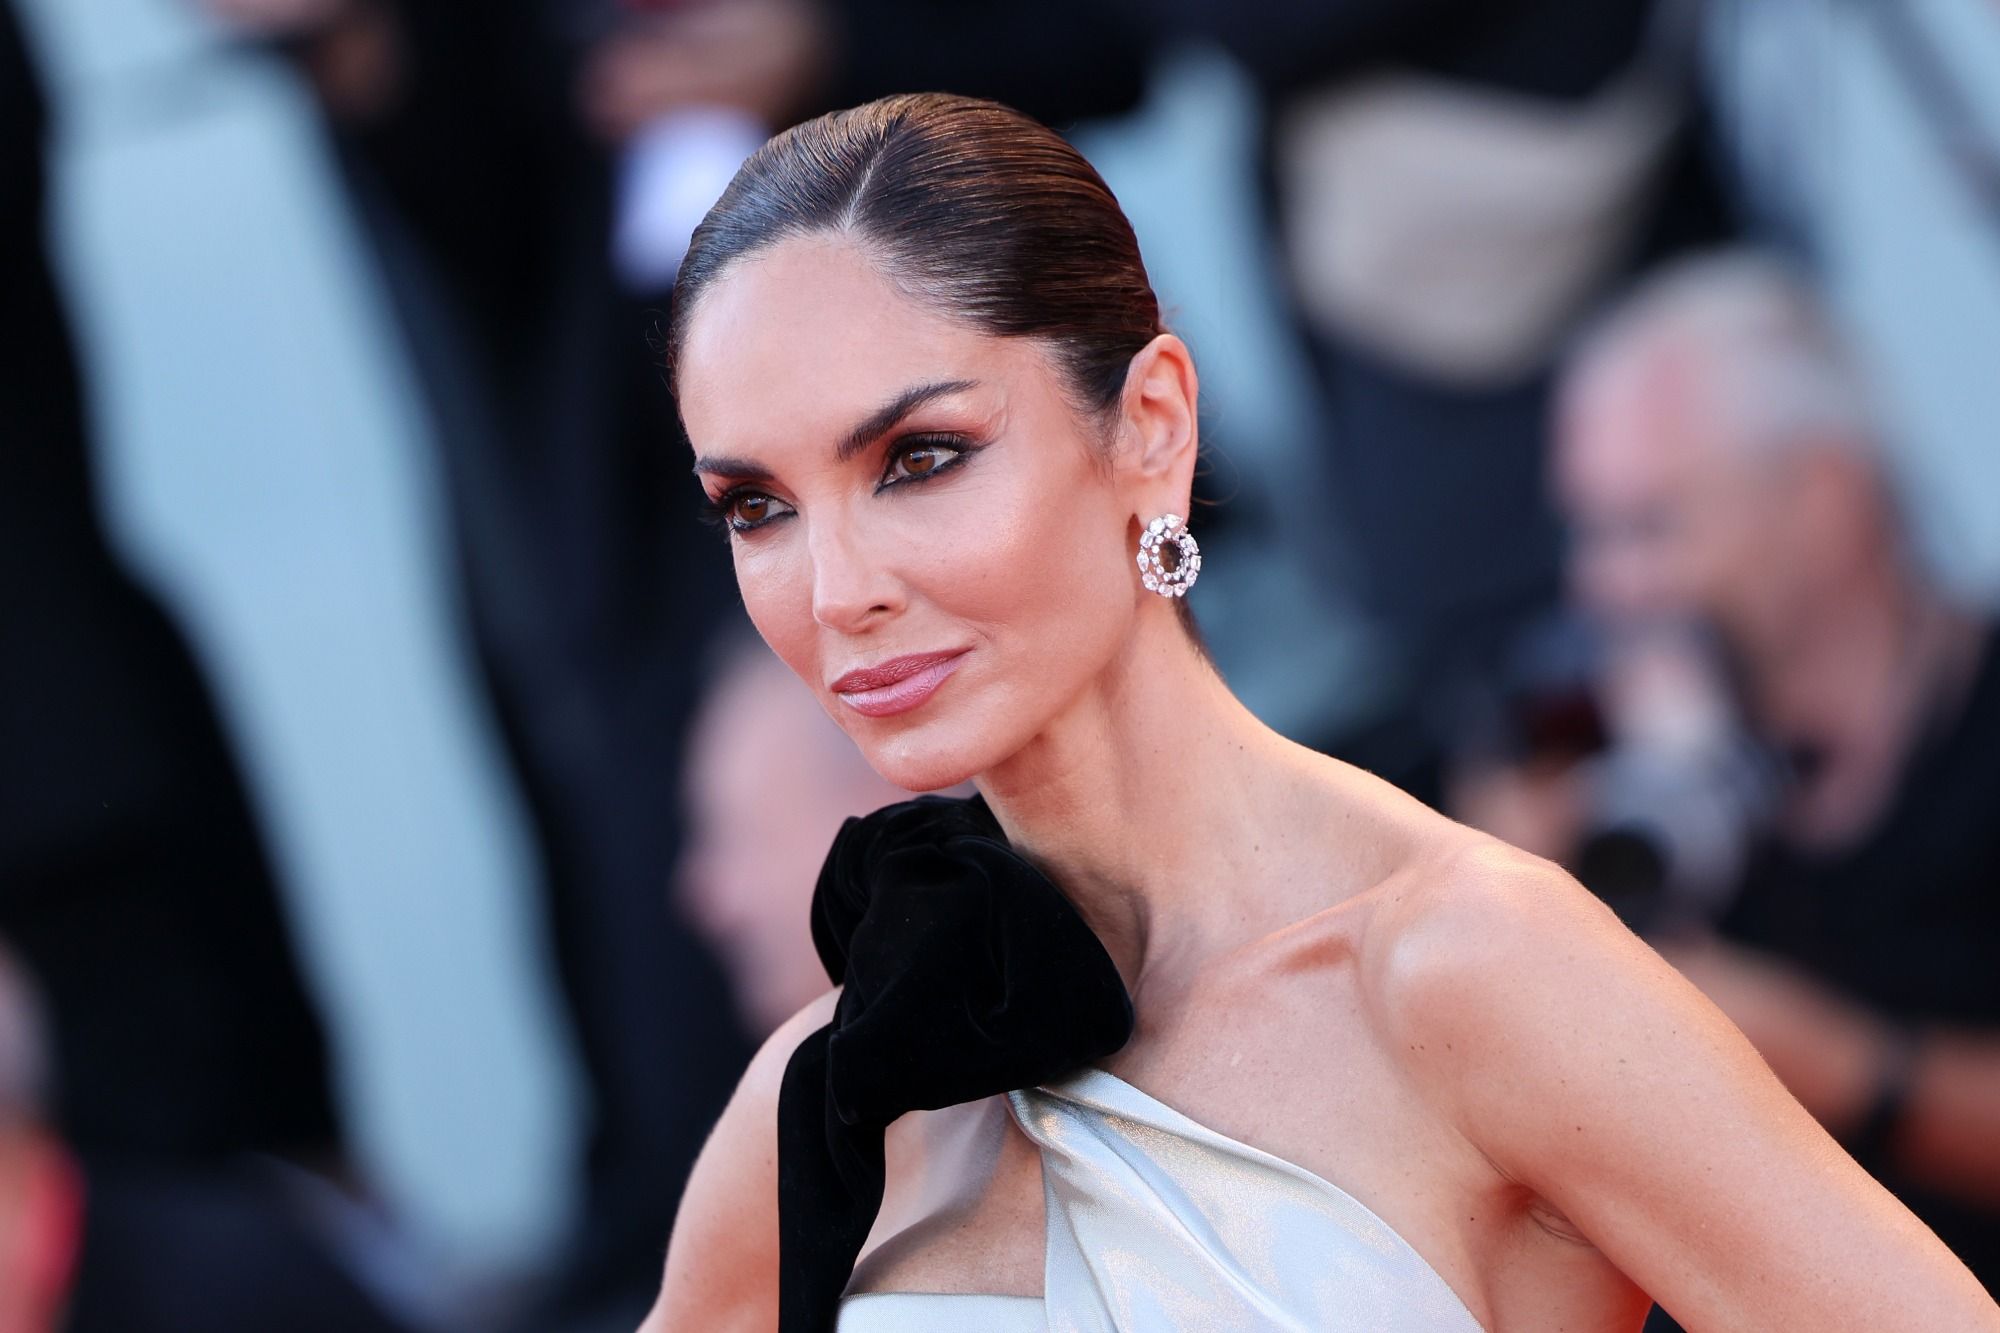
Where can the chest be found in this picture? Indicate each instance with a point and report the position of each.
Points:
(1905, 919)
(1293, 1070)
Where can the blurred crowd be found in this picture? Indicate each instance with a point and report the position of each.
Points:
(404, 839)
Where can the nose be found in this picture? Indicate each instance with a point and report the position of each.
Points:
(852, 587)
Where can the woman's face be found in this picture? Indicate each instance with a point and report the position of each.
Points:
(925, 528)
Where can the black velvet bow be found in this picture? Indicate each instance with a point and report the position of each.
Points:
(966, 973)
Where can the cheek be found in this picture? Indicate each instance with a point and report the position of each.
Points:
(1053, 575)
(1724, 547)
(775, 580)
(1610, 577)
(1026, 560)
(1016, 551)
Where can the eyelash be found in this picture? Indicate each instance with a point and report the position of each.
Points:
(716, 512)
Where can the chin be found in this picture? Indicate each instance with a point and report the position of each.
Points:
(922, 773)
(920, 763)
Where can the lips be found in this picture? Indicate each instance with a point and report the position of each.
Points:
(891, 671)
(897, 685)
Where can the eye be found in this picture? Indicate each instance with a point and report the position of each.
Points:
(745, 510)
(920, 458)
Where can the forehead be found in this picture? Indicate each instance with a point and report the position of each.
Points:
(808, 336)
(1629, 434)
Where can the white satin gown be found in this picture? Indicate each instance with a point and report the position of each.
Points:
(1157, 1223)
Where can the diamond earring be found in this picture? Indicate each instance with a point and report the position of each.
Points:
(1169, 559)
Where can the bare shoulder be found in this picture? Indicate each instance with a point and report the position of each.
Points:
(1474, 918)
(722, 1263)
(757, 1091)
(1499, 982)
(1593, 1074)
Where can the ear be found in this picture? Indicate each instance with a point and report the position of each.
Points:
(1835, 500)
(1158, 428)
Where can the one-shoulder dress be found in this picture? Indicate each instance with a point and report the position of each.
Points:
(1157, 1223)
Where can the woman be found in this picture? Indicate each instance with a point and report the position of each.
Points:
(1287, 1049)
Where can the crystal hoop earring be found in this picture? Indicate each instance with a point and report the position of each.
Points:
(1169, 559)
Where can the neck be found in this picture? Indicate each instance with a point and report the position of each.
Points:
(1142, 798)
(1854, 654)
(1858, 680)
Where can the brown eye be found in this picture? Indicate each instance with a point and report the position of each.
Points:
(748, 510)
(922, 460)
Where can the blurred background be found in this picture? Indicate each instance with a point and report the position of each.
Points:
(403, 838)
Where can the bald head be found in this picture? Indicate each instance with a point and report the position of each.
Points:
(1743, 338)
(1714, 445)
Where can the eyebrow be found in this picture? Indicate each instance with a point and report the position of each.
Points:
(884, 419)
(877, 424)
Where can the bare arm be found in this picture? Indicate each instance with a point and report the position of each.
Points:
(1947, 1134)
(1590, 1071)
(722, 1263)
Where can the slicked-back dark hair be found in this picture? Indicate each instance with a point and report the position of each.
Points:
(983, 212)
(967, 205)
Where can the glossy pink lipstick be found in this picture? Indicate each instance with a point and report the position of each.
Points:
(897, 685)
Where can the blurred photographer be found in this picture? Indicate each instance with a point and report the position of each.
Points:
(1731, 516)
(1620, 751)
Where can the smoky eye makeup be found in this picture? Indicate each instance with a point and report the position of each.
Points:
(922, 456)
(744, 508)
